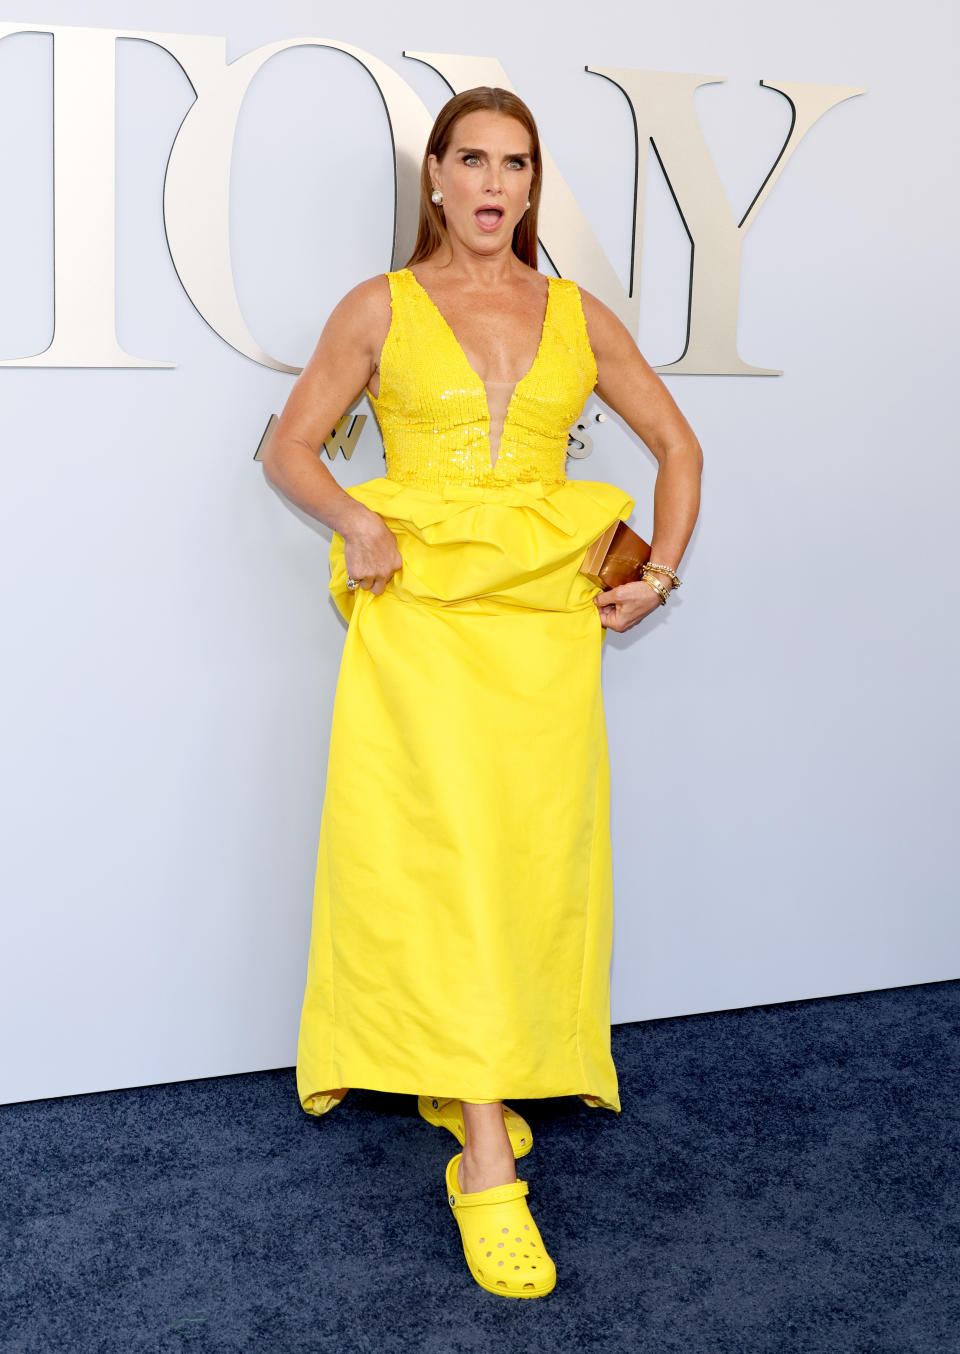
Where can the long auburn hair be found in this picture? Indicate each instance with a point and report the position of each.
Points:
(431, 228)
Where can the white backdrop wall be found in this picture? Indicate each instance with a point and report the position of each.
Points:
(783, 736)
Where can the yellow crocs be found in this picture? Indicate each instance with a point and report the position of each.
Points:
(448, 1114)
(501, 1241)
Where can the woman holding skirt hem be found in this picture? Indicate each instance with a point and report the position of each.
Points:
(463, 908)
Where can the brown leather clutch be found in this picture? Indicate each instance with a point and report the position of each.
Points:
(616, 557)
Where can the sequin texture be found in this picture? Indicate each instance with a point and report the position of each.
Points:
(432, 406)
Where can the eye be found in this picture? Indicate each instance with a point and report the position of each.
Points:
(518, 163)
(468, 158)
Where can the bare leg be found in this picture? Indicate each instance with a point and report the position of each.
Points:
(487, 1152)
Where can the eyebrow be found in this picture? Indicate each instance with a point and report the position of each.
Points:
(475, 150)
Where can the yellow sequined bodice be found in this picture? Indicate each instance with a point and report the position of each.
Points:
(433, 409)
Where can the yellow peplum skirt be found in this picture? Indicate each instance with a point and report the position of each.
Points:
(463, 902)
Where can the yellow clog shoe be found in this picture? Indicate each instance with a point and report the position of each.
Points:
(448, 1114)
(501, 1241)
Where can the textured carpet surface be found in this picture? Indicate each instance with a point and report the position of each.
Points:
(782, 1179)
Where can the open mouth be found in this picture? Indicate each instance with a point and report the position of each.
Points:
(489, 217)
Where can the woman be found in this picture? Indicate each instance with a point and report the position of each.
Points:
(463, 899)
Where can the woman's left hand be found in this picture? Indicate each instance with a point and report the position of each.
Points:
(624, 607)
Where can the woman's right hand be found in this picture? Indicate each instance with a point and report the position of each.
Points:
(370, 549)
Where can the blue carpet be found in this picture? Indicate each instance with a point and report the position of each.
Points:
(782, 1180)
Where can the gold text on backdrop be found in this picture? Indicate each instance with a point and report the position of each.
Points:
(196, 194)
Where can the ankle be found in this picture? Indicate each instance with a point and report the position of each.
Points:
(474, 1175)
(487, 1152)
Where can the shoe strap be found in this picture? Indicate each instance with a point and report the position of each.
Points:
(442, 1101)
(496, 1194)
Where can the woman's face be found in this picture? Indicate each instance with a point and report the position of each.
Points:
(486, 176)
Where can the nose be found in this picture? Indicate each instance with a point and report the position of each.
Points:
(493, 184)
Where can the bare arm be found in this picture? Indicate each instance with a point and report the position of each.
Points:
(342, 364)
(336, 374)
(632, 389)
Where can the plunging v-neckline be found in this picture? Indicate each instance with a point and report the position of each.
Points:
(472, 370)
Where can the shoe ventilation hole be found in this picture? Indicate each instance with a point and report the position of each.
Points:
(501, 1283)
(526, 1226)
(504, 1229)
(499, 1262)
(489, 1252)
(528, 1285)
(483, 1238)
(500, 1245)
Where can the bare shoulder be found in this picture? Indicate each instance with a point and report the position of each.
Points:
(364, 313)
(607, 333)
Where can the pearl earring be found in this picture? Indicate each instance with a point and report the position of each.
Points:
(528, 202)
(437, 197)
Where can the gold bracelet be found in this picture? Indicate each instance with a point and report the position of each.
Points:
(658, 588)
(664, 569)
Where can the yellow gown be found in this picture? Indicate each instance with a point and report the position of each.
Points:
(463, 900)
